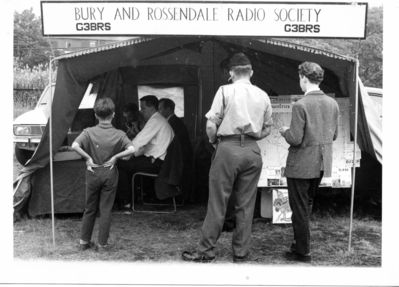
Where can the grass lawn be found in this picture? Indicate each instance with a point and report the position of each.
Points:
(163, 237)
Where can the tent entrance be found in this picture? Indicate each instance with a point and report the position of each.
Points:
(178, 82)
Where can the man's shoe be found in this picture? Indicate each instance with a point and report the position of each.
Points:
(85, 246)
(294, 256)
(196, 257)
(240, 259)
(103, 248)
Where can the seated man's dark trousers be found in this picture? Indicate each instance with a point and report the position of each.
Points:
(235, 168)
(100, 195)
(129, 167)
(301, 193)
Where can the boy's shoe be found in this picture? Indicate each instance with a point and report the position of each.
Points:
(85, 246)
(196, 257)
(294, 256)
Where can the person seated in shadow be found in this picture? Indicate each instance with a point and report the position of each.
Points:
(133, 119)
(167, 109)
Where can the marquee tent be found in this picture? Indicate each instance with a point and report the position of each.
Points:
(195, 63)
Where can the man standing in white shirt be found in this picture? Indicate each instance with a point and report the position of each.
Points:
(150, 147)
(239, 116)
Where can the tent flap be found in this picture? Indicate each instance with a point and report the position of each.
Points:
(369, 125)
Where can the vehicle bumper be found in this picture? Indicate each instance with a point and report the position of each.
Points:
(27, 143)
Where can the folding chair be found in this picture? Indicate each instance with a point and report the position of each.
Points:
(141, 190)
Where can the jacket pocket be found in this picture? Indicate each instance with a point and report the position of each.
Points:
(292, 157)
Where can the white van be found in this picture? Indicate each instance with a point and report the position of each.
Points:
(28, 128)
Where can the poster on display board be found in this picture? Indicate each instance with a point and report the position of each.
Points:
(281, 207)
(274, 148)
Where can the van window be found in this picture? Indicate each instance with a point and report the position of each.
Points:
(176, 94)
(45, 97)
(87, 102)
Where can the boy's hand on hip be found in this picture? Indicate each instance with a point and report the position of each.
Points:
(90, 164)
(110, 163)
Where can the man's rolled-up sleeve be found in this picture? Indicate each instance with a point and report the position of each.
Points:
(215, 114)
(268, 121)
(149, 131)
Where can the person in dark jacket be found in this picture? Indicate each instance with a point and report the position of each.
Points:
(166, 108)
(313, 128)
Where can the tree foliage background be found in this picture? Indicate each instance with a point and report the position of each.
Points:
(369, 51)
(32, 49)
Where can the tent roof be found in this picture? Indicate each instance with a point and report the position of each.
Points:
(268, 41)
(105, 47)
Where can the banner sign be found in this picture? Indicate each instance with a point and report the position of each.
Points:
(138, 18)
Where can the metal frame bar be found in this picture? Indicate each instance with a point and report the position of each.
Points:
(51, 150)
(354, 154)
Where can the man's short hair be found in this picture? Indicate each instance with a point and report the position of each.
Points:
(130, 108)
(150, 101)
(312, 71)
(168, 104)
(240, 64)
(104, 108)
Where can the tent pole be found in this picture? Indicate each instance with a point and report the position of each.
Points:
(354, 154)
(51, 150)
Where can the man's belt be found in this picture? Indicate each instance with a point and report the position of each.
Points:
(241, 138)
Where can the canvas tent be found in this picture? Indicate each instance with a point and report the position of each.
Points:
(195, 63)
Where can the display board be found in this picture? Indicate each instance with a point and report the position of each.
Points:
(274, 148)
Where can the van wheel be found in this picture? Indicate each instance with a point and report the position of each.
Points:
(23, 155)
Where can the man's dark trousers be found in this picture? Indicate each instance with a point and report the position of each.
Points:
(100, 195)
(301, 193)
(129, 167)
(236, 168)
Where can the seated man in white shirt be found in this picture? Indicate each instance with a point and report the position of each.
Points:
(150, 146)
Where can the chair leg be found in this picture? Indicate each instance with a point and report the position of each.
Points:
(174, 204)
(160, 204)
(133, 178)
